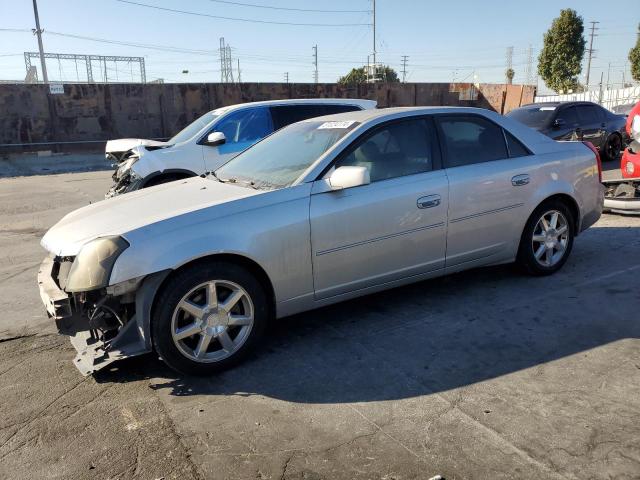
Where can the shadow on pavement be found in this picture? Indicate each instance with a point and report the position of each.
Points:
(431, 336)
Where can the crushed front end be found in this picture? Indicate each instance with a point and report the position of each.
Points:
(623, 196)
(101, 323)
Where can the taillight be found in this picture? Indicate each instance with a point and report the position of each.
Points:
(595, 151)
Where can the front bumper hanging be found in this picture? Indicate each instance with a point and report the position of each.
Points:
(97, 344)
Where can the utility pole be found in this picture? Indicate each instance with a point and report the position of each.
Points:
(375, 65)
(529, 68)
(239, 72)
(591, 51)
(286, 77)
(315, 64)
(608, 74)
(405, 58)
(38, 32)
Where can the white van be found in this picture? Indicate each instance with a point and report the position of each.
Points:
(212, 140)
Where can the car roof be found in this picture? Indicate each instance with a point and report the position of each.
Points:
(365, 116)
(558, 104)
(362, 103)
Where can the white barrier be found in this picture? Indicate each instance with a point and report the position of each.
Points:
(607, 98)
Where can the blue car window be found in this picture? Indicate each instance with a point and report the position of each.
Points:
(248, 125)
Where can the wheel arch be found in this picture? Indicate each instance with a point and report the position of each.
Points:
(180, 173)
(251, 265)
(568, 200)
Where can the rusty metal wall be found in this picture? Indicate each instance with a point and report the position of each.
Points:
(93, 113)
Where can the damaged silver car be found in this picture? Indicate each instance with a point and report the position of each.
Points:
(321, 211)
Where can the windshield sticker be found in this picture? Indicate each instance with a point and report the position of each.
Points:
(327, 125)
(544, 109)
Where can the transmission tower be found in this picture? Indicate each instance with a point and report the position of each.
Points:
(529, 68)
(508, 63)
(591, 51)
(226, 63)
(405, 59)
(286, 77)
(315, 64)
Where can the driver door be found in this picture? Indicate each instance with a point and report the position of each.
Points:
(242, 129)
(389, 229)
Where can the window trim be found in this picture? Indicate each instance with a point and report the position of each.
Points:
(443, 147)
(436, 150)
(524, 147)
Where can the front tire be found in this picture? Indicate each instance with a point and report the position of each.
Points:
(208, 317)
(547, 239)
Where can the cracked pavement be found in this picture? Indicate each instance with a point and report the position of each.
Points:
(483, 374)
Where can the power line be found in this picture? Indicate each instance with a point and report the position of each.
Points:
(289, 9)
(164, 48)
(237, 19)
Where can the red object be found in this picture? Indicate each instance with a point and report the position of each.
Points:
(630, 162)
(597, 154)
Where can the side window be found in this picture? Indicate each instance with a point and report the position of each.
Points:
(287, 114)
(516, 149)
(395, 150)
(568, 115)
(469, 140)
(588, 114)
(248, 125)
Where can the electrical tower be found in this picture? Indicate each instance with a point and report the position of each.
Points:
(405, 59)
(226, 63)
(315, 64)
(529, 68)
(508, 63)
(94, 65)
(286, 77)
(591, 51)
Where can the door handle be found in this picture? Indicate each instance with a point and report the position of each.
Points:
(429, 201)
(520, 180)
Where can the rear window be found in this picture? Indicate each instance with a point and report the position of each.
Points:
(534, 117)
(284, 115)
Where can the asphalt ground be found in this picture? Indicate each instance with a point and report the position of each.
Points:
(483, 374)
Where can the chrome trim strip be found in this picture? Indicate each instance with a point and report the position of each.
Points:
(377, 239)
(497, 210)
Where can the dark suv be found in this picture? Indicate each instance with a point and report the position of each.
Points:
(576, 121)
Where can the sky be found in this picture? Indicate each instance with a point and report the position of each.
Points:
(462, 40)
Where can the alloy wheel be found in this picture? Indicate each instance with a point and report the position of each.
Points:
(550, 238)
(212, 321)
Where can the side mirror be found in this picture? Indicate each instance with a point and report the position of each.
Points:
(215, 138)
(558, 123)
(347, 177)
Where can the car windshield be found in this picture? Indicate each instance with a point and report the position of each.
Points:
(193, 128)
(278, 160)
(534, 117)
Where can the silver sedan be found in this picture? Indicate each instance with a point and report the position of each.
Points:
(319, 212)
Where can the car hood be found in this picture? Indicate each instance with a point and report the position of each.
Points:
(125, 213)
(124, 144)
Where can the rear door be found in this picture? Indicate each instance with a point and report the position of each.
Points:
(593, 124)
(490, 180)
(390, 229)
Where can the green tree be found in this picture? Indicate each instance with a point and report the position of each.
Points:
(634, 58)
(560, 60)
(359, 75)
(510, 73)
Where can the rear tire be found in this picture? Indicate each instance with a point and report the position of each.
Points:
(612, 147)
(547, 239)
(208, 317)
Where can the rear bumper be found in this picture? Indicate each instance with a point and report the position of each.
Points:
(97, 344)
